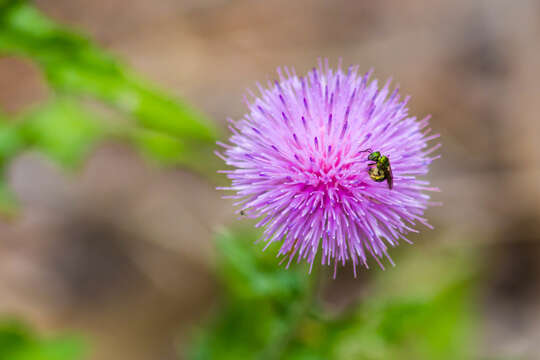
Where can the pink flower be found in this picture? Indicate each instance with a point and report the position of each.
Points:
(300, 163)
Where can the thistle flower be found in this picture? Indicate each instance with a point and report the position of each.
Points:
(300, 159)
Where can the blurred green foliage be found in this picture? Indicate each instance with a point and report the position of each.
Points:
(65, 128)
(75, 131)
(17, 342)
(61, 129)
(262, 303)
(73, 64)
(423, 310)
(10, 144)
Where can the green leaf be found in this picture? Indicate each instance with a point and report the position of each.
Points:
(11, 144)
(10, 141)
(263, 303)
(422, 309)
(63, 130)
(165, 149)
(73, 64)
(248, 271)
(17, 342)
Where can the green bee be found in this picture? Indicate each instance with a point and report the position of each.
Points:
(380, 170)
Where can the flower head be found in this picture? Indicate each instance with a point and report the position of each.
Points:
(305, 161)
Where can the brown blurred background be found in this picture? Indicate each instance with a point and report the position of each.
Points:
(122, 251)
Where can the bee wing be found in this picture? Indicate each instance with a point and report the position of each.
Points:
(390, 177)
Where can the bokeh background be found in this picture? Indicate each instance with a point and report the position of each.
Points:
(120, 249)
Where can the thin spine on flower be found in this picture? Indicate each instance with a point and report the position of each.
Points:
(299, 163)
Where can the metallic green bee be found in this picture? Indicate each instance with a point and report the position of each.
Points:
(380, 170)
